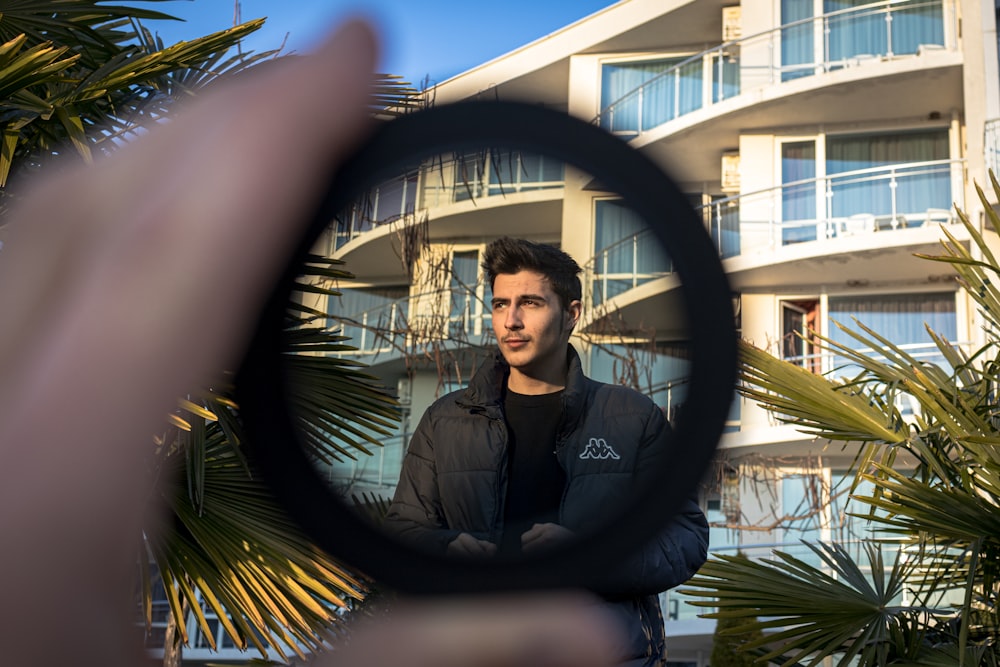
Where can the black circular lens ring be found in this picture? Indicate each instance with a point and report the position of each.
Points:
(471, 126)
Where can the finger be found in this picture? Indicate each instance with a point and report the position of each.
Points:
(478, 547)
(222, 186)
(493, 632)
(536, 532)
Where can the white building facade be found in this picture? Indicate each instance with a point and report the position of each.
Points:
(824, 143)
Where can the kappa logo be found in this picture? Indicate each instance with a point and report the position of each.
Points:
(597, 448)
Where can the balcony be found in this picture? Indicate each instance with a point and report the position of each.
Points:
(477, 179)
(846, 205)
(414, 323)
(845, 39)
(863, 209)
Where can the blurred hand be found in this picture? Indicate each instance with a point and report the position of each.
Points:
(125, 284)
(122, 286)
(467, 545)
(542, 536)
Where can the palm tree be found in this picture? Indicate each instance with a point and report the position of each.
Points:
(79, 77)
(939, 518)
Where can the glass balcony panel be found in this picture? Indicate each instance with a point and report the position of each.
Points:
(725, 75)
(916, 24)
(725, 227)
(626, 253)
(798, 196)
(515, 171)
(465, 305)
(374, 319)
(798, 51)
(659, 369)
(630, 106)
(855, 33)
(901, 318)
(391, 201)
(469, 171)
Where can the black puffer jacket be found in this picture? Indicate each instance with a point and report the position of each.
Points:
(454, 479)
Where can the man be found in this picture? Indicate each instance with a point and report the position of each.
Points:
(512, 465)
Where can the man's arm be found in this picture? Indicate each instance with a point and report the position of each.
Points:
(679, 548)
(416, 515)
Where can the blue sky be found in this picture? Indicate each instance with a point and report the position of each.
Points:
(435, 38)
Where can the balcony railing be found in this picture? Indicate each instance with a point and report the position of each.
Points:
(848, 204)
(429, 317)
(992, 145)
(845, 38)
(879, 200)
(624, 265)
(378, 472)
(442, 182)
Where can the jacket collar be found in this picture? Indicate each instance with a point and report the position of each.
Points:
(485, 390)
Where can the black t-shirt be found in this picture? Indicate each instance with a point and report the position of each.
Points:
(535, 480)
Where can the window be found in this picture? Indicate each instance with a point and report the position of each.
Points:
(798, 196)
(841, 185)
(901, 318)
(804, 498)
(374, 318)
(465, 319)
(387, 202)
(798, 319)
(797, 49)
(625, 251)
(671, 87)
(906, 192)
(897, 29)
(659, 369)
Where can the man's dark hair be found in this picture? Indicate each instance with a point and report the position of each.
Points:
(507, 256)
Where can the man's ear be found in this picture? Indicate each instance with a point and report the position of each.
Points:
(573, 312)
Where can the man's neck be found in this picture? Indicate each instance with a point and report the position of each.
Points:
(533, 385)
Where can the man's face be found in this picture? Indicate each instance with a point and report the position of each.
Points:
(530, 324)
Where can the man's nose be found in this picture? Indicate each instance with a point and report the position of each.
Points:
(513, 320)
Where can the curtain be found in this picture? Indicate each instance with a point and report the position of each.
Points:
(725, 77)
(723, 221)
(916, 188)
(517, 171)
(798, 202)
(663, 97)
(915, 23)
(899, 317)
(801, 497)
(797, 49)
(464, 274)
(371, 306)
(898, 28)
(853, 33)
